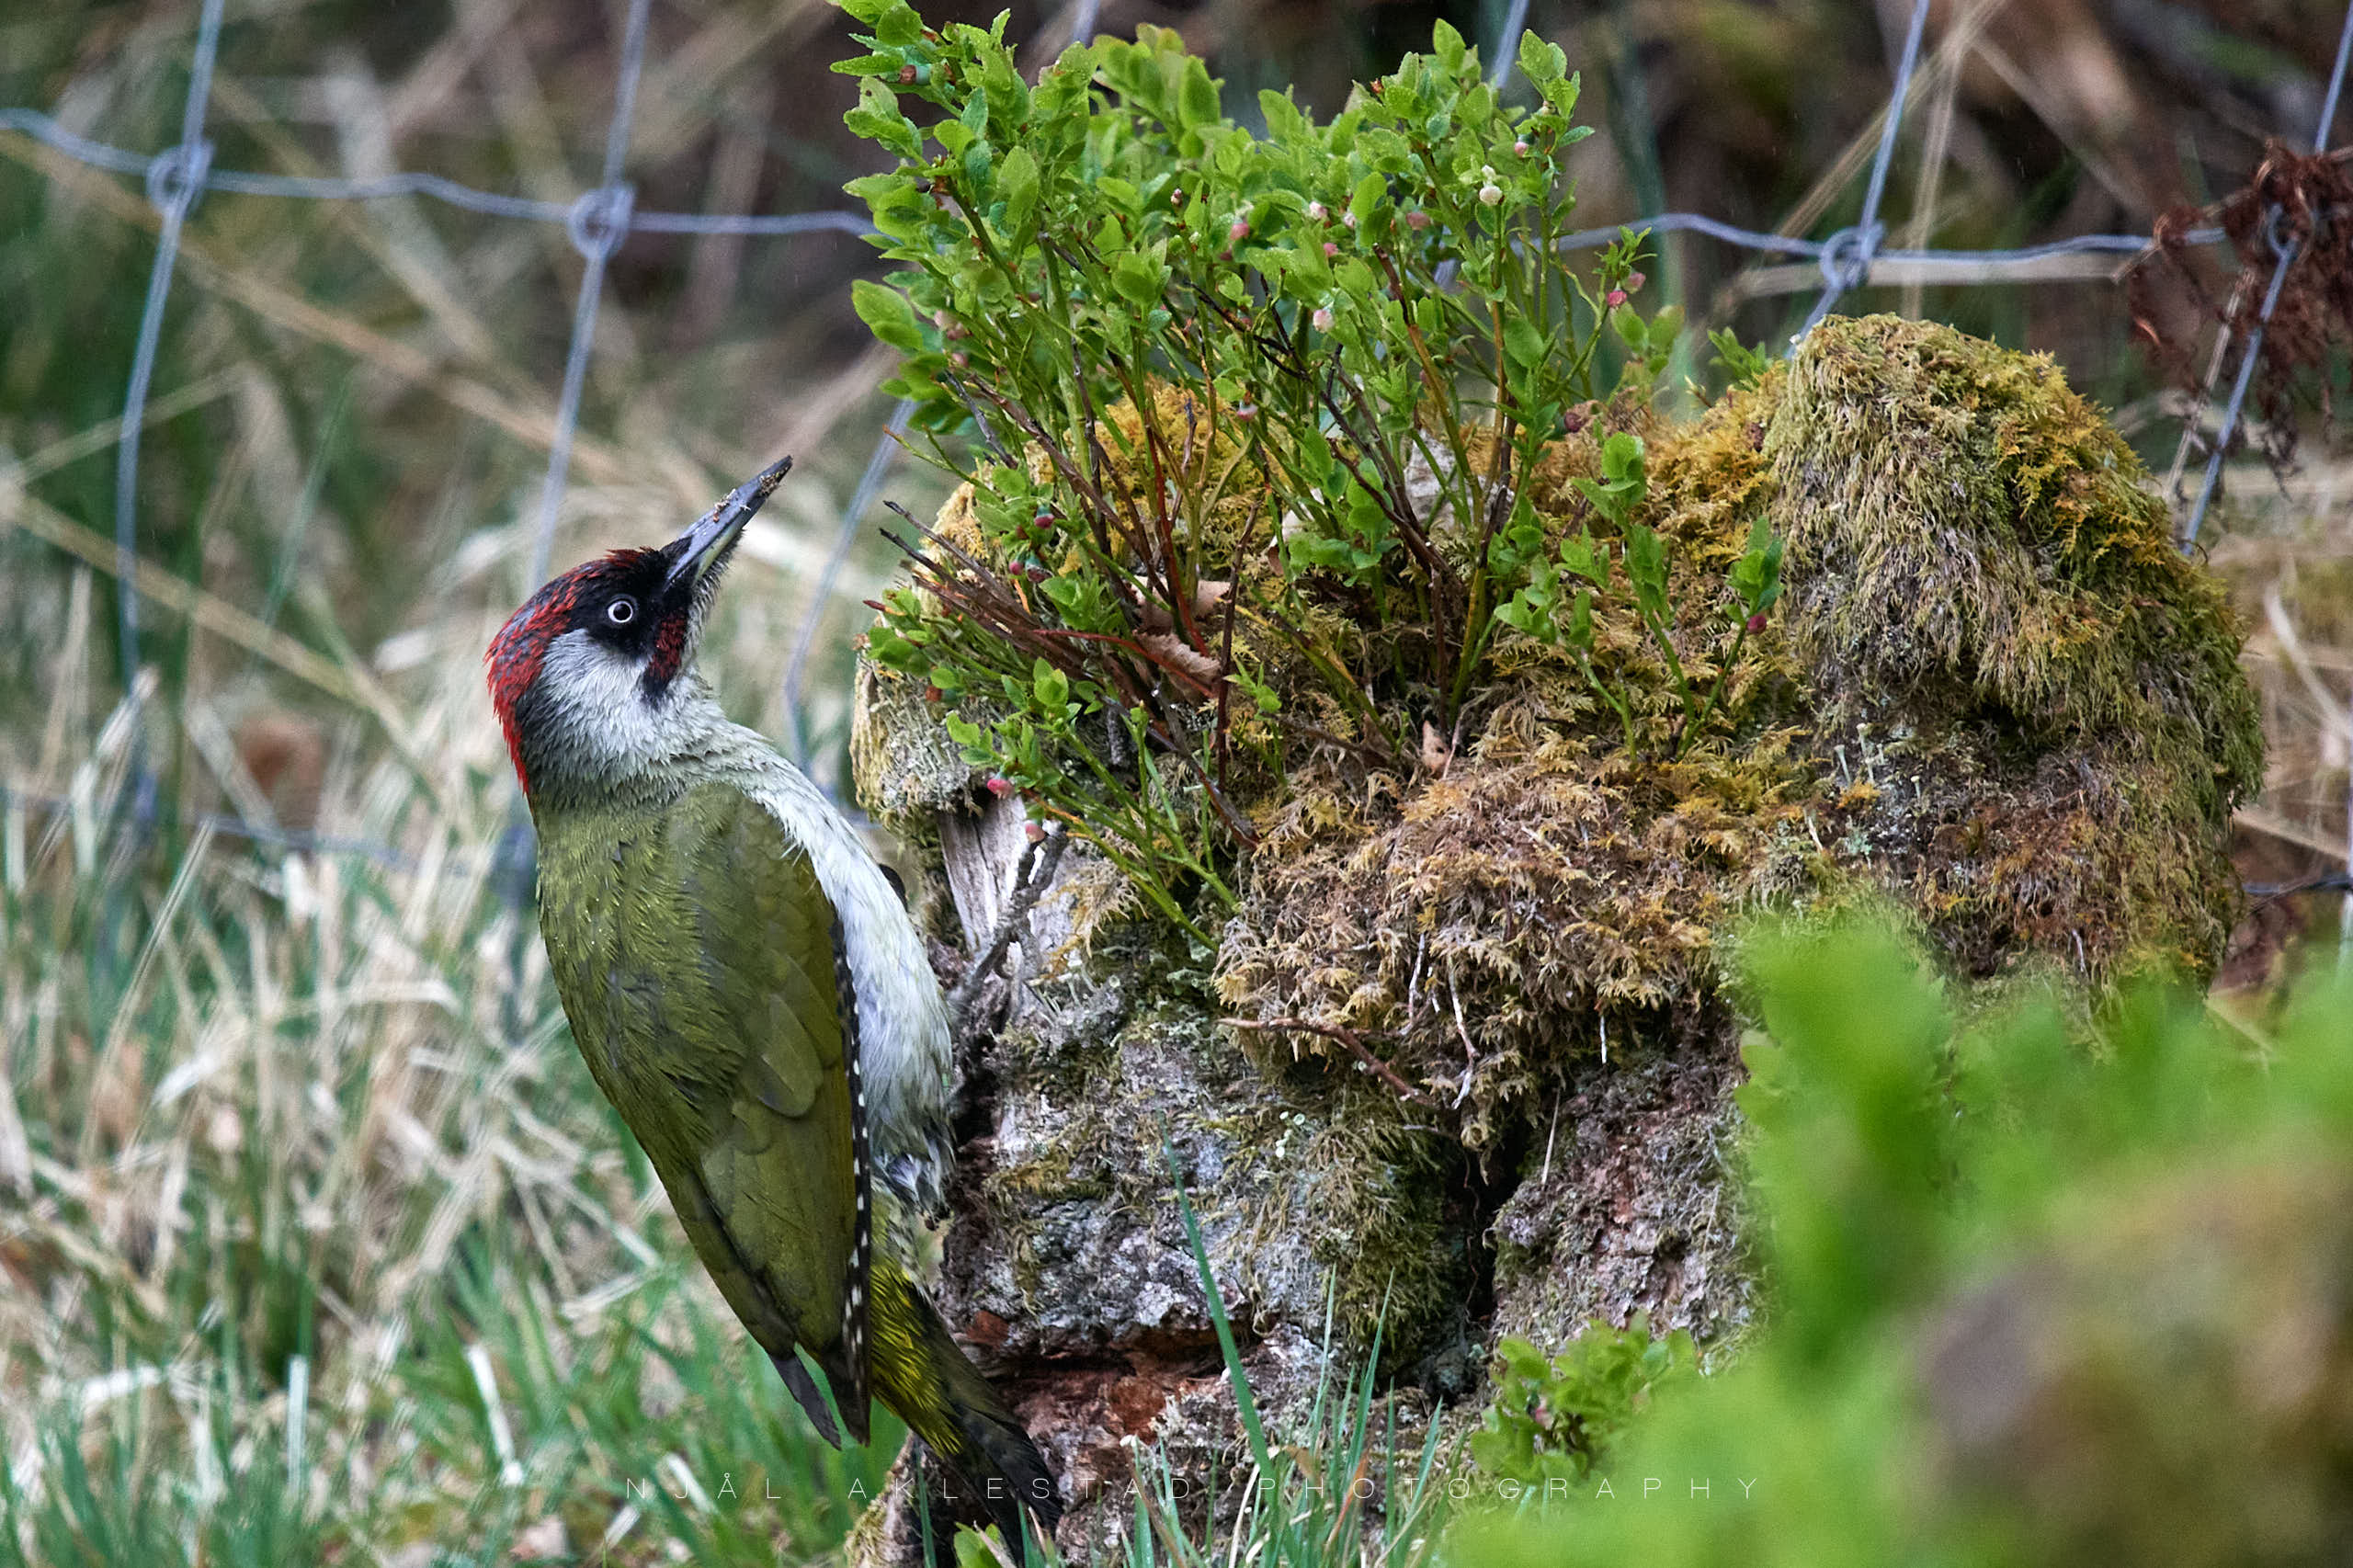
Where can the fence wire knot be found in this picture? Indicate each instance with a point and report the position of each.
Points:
(175, 177)
(599, 222)
(1847, 256)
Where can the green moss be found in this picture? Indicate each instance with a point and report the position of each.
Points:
(1959, 521)
(1396, 1261)
(2044, 696)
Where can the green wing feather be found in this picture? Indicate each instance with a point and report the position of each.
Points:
(702, 965)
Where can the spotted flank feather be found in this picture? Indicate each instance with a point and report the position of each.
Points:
(861, 1247)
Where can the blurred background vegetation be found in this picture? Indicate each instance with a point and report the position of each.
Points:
(299, 1177)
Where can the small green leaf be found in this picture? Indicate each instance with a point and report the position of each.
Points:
(1137, 279)
(1559, 94)
(1581, 557)
(1741, 364)
(1120, 194)
(1542, 62)
(1646, 569)
(1523, 344)
(1447, 44)
(1578, 633)
(1622, 461)
(1631, 328)
(887, 314)
(1385, 149)
(877, 119)
(1017, 187)
(1314, 459)
(897, 27)
(1197, 102)
(1284, 122)
(1049, 686)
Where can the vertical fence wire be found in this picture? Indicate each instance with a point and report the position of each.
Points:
(174, 180)
(2286, 249)
(1847, 258)
(862, 500)
(1506, 56)
(2320, 144)
(597, 223)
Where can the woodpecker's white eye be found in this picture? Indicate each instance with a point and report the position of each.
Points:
(620, 612)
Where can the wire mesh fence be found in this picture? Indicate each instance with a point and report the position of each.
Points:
(598, 219)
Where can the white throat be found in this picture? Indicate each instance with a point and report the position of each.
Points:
(601, 730)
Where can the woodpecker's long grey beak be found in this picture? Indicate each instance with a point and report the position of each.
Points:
(706, 544)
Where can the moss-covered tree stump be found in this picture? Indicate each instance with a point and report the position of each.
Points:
(1461, 1065)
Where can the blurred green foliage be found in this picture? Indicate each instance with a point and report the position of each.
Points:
(2045, 1284)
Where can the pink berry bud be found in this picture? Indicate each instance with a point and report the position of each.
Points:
(1756, 623)
(1033, 831)
(1000, 786)
(963, 361)
(1349, 219)
(1315, 209)
(1238, 230)
(1330, 249)
(1616, 297)
(1635, 280)
(1322, 319)
(1520, 147)
(1417, 219)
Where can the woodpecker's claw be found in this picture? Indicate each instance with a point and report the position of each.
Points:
(706, 543)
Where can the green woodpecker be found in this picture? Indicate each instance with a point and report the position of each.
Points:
(749, 992)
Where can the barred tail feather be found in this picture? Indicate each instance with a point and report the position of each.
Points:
(921, 1372)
